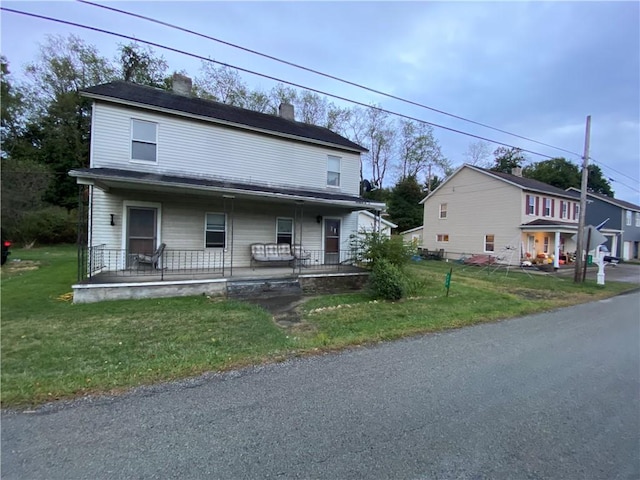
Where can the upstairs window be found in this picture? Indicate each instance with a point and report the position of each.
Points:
(547, 207)
(531, 205)
(576, 211)
(333, 171)
(637, 219)
(443, 210)
(144, 138)
(284, 230)
(215, 230)
(564, 209)
(628, 218)
(489, 243)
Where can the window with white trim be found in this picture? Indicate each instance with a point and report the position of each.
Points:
(442, 237)
(144, 141)
(564, 209)
(284, 230)
(489, 243)
(547, 207)
(545, 245)
(333, 171)
(443, 210)
(531, 208)
(628, 218)
(637, 219)
(577, 210)
(215, 230)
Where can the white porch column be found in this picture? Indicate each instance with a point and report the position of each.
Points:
(556, 251)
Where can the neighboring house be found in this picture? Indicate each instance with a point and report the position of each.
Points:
(509, 217)
(209, 180)
(621, 222)
(413, 235)
(370, 222)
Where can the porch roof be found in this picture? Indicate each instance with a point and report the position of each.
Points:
(106, 178)
(563, 227)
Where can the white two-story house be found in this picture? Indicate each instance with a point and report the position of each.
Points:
(206, 181)
(506, 216)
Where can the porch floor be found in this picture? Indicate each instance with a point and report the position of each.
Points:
(239, 273)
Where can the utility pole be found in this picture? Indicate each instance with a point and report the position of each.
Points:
(578, 275)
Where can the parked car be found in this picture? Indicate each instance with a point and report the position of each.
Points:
(6, 244)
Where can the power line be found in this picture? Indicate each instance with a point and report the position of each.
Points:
(317, 72)
(206, 59)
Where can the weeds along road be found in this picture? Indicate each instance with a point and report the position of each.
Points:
(554, 395)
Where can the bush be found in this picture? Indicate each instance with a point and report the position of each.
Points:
(386, 281)
(414, 285)
(47, 226)
(373, 246)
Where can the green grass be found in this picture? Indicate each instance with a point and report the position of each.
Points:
(53, 349)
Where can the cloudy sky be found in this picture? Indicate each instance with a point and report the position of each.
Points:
(532, 68)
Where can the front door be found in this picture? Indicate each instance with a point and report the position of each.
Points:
(331, 240)
(141, 230)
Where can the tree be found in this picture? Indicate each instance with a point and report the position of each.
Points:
(561, 173)
(13, 110)
(379, 139)
(404, 203)
(506, 159)
(558, 172)
(477, 153)
(222, 84)
(139, 64)
(431, 184)
(597, 182)
(419, 150)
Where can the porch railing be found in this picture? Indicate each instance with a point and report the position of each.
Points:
(119, 263)
(324, 260)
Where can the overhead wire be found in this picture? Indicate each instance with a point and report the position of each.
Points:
(200, 57)
(317, 72)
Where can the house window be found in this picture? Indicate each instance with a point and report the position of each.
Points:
(547, 207)
(284, 230)
(443, 210)
(531, 207)
(489, 243)
(628, 218)
(333, 171)
(577, 211)
(144, 140)
(545, 245)
(442, 237)
(215, 230)
(637, 219)
(564, 209)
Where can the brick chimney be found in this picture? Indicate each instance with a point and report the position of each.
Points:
(182, 84)
(517, 171)
(286, 111)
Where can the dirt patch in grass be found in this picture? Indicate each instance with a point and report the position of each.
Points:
(21, 266)
(533, 294)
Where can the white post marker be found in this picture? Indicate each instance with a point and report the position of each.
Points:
(600, 263)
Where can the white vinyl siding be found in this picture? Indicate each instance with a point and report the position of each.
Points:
(193, 148)
(144, 141)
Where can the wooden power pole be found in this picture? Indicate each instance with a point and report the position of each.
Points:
(577, 275)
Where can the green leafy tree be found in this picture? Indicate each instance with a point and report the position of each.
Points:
(13, 109)
(597, 182)
(507, 159)
(404, 203)
(558, 172)
(419, 149)
(141, 65)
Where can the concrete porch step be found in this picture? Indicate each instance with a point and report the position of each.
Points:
(263, 288)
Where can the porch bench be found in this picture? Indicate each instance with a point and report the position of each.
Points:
(270, 252)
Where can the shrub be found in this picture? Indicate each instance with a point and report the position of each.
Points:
(373, 246)
(386, 281)
(414, 285)
(47, 226)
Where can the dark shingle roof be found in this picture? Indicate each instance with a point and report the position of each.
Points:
(158, 178)
(528, 183)
(150, 97)
(541, 222)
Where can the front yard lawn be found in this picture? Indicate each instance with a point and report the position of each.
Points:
(52, 349)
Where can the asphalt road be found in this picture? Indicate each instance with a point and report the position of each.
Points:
(545, 396)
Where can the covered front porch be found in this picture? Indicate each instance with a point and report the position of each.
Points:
(548, 242)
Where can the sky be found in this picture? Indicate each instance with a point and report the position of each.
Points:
(536, 69)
